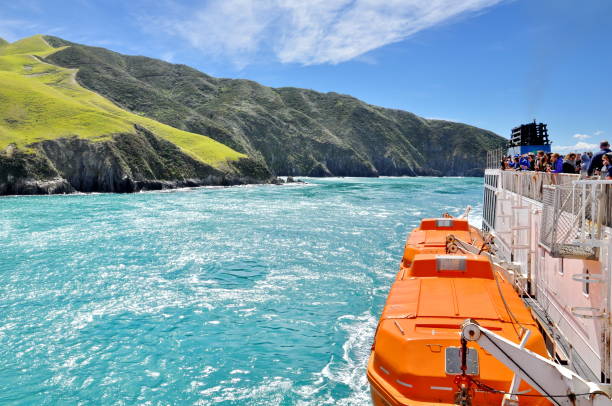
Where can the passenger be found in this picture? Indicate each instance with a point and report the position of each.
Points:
(556, 163)
(541, 162)
(524, 163)
(584, 166)
(606, 168)
(532, 161)
(546, 160)
(569, 164)
(596, 161)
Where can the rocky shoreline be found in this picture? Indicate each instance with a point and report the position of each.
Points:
(125, 163)
(29, 187)
(62, 186)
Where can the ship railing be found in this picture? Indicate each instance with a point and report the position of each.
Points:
(576, 218)
(494, 158)
(531, 184)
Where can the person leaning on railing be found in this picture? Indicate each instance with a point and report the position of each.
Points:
(556, 163)
(525, 164)
(569, 163)
(532, 161)
(541, 162)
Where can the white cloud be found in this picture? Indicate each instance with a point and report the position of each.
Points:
(9, 28)
(598, 133)
(310, 32)
(579, 147)
(581, 136)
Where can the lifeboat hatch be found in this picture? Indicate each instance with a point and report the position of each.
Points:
(453, 361)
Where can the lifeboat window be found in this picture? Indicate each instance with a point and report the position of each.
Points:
(450, 263)
(444, 223)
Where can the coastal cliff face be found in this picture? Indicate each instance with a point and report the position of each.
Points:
(59, 137)
(290, 131)
(126, 163)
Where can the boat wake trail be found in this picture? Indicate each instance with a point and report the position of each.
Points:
(345, 374)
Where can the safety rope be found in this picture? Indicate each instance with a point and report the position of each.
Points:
(513, 318)
(487, 388)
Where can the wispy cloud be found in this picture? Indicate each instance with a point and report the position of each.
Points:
(596, 134)
(11, 29)
(309, 32)
(579, 147)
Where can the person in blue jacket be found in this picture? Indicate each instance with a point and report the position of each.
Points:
(524, 163)
(585, 161)
(557, 163)
(596, 161)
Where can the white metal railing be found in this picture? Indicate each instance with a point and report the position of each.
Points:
(494, 158)
(531, 184)
(574, 218)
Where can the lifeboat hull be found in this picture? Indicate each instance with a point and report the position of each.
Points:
(415, 357)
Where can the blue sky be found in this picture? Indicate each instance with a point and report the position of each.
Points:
(489, 63)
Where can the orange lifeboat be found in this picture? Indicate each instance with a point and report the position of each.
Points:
(416, 355)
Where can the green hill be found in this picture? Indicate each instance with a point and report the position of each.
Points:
(41, 102)
(292, 131)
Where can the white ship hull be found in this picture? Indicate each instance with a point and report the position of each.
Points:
(554, 232)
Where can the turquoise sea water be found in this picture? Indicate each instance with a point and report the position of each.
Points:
(264, 295)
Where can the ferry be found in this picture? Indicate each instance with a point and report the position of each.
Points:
(514, 313)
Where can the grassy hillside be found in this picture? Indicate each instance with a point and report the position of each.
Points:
(40, 101)
(293, 131)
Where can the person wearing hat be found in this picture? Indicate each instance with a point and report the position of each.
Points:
(597, 160)
(517, 165)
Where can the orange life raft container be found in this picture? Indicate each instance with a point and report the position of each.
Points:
(415, 357)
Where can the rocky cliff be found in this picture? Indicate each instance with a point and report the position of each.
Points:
(289, 131)
(126, 163)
